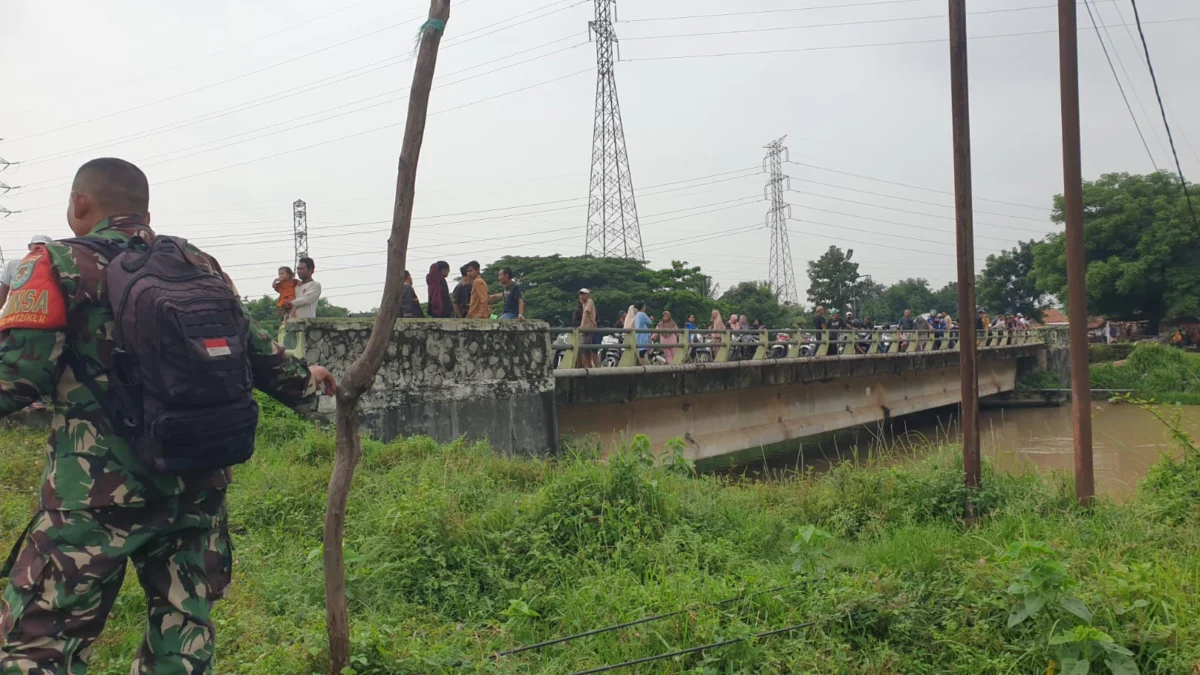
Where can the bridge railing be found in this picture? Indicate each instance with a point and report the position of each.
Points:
(620, 347)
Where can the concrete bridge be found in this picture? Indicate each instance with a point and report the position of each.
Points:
(479, 379)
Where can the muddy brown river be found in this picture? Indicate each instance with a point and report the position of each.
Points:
(1126, 442)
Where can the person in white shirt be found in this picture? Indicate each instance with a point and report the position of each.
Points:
(308, 292)
(10, 267)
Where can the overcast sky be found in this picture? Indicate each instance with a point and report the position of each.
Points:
(236, 109)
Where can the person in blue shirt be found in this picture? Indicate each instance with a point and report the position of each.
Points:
(642, 324)
(691, 322)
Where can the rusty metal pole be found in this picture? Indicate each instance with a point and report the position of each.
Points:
(1081, 393)
(965, 238)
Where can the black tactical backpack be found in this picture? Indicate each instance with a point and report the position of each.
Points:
(180, 381)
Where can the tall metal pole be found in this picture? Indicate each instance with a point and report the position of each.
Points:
(965, 240)
(1081, 393)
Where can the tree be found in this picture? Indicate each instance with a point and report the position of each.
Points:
(757, 300)
(889, 306)
(945, 299)
(551, 286)
(832, 278)
(1141, 248)
(362, 372)
(866, 291)
(1007, 284)
(265, 311)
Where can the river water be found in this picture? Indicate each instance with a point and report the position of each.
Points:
(1127, 440)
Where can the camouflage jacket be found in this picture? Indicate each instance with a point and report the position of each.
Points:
(88, 466)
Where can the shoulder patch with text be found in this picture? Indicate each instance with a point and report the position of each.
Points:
(36, 300)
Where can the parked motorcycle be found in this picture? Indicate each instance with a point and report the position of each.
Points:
(779, 348)
(700, 354)
(610, 351)
(562, 340)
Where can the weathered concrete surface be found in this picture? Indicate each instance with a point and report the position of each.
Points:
(722, 411)
(445, 379)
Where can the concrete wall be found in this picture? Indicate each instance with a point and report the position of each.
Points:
(719, 411)
(445, 379)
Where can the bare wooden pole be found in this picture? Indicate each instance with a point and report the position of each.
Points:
(362, 372)
(1081, 393)
(964, 230)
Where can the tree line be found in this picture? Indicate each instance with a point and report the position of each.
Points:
(1142, 252)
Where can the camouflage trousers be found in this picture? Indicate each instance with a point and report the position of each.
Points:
(70, 569)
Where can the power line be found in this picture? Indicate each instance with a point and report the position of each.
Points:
(841, 239)
(915, 187)
(353, 135)
(915, 213)
(1137, 49)
(769, 11)
(1166, 125)
(1087, 4)
(915, 201)
(888, 234)
(204, 57)
(459, 41)
(859, 22)
(296, 91)
(898, 43)
(1121, 63)
(267, 128)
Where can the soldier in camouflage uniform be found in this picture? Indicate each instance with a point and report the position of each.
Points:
(100, 505)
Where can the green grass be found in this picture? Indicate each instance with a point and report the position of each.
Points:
(1155, 371)
(455, 553)
(1116, 351)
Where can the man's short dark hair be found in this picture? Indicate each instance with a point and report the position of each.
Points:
(307, 261)
(473, 265)
(443, 266)
(640, 306)
(507, 271)
(463, 270)
(115, 185)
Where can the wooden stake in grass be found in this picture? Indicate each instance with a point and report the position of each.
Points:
(362, 372)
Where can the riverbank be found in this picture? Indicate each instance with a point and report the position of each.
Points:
(1154, 371)
(455, 553)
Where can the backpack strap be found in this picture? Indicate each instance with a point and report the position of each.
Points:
(114, 410)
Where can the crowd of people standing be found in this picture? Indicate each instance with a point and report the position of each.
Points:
(470, 299)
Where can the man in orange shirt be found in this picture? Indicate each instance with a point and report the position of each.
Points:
(480, 307)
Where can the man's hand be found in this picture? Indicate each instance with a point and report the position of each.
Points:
(324, 380)
(287, 304)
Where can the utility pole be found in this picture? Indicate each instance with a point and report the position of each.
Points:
(1081, 392)
(612, 226)
(300, 228)
(965, 242)
(782, 273)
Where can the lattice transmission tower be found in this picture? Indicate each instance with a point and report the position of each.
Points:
(612, 227)
(781, 272)
(300, 227)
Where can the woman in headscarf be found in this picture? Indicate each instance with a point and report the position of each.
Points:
(630, 318)
(734, 323)
(410, 304)
(717, 325)
(665, 339)
(440, 304)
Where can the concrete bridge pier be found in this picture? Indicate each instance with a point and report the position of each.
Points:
(446, 379)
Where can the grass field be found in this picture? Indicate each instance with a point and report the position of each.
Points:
(455, 553)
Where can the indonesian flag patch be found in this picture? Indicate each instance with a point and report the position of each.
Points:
(217, 347)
